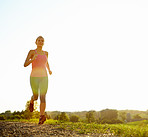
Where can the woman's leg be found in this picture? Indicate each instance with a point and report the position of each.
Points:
(33, 98)
(42, 104)
(43, 91)
(34, 82)
(42, 109)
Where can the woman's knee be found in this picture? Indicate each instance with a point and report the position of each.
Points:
(35, 97)
(43, 98)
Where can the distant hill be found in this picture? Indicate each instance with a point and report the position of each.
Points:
(143, 114)
(82, 114)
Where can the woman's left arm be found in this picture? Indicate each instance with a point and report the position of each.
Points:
(47, 65)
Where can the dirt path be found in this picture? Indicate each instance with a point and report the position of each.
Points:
(23, 129)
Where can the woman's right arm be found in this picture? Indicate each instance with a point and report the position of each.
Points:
(29, 58)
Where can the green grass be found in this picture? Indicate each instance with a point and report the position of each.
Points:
(133, 129)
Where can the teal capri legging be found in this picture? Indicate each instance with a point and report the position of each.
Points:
(39, 85)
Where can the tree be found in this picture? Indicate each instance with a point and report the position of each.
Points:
(17, 117)
(57, 117)
(63, 117)
(109, 114)
(7, 114)
(53, 114)
(16, 113)
(137, 116)
(2, 117)
(128, 117)
(122, 115)
(74, 118)
(90, 116)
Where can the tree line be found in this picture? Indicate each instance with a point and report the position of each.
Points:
(110, 116)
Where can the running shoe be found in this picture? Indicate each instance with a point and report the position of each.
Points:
(42, 119)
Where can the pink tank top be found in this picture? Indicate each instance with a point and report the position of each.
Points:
(39, 66)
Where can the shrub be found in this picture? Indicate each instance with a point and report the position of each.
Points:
(63, 117)
(112, 121)
(74, 118)
(109, 114)
(2, 117)
(90, 116)
(12, 117)
(17, 116)
(137, 116)
(47, 116)
(57, 117)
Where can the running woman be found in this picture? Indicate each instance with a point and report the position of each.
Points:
(39, 77)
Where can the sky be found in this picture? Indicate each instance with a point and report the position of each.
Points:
(97, 53)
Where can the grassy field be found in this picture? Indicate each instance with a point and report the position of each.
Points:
(135, 129)
(132, 129)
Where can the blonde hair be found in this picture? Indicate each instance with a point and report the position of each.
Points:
(38, 38)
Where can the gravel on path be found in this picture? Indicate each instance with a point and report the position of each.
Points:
(25, 129)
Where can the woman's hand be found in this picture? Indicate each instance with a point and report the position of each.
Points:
(50, 72)
(47, 65)
(34, 57)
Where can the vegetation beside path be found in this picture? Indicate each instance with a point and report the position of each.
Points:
(132, 129)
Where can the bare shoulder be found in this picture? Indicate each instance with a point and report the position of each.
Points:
(31, 52)
(46, 53)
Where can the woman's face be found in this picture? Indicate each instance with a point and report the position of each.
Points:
(40, 42)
